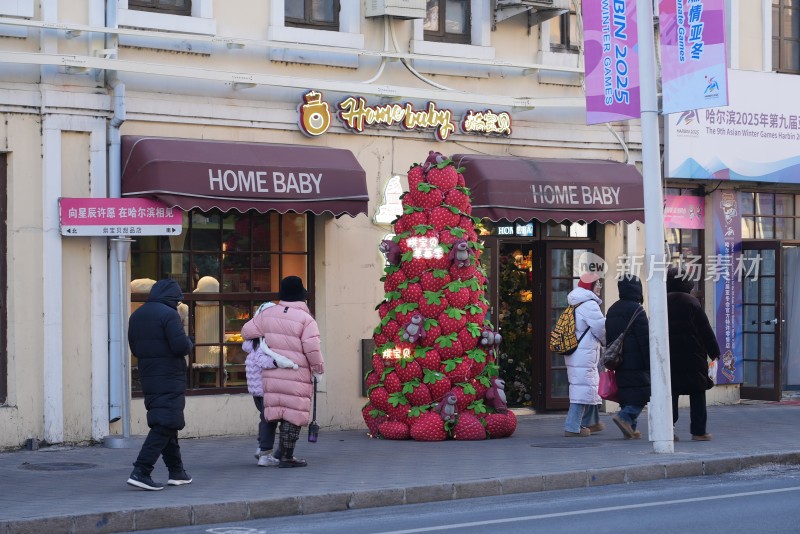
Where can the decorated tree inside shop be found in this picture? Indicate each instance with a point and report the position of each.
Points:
(435, 374)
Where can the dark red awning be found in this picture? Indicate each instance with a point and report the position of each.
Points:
(190, 173)
(512, 188)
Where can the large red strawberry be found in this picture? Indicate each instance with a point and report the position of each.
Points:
(438, 384)
(411, 291)
(426, 196)
(372, 379)
(413, 267)
(465, 394)
(394, 430)
(377, 363)
(457, 294)
(441, 217)
(391, 329)
(457, 368)
(434, 280)
(392, 383)
(463, 273)
(398, 408)
(417, 393)
(443, 176)
(379, 398)
(429, 427)
(449, 348)
(458, 199)
(468, 338)
(468, 428)
(408, 370)
(432, 304)
(433, 332)
(461, 182)
(415, 176)
(427, 358)
(501, 425)
(373, 418)
(452, 320)
(392, 281)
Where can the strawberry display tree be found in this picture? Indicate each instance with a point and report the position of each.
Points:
(435, 369)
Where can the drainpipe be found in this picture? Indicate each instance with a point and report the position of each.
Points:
(116, 345)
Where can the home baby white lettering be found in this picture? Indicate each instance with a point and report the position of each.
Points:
(605, 195)
(555, 194)
(257, 181)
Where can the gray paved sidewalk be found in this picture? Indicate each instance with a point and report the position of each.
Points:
(82, 489)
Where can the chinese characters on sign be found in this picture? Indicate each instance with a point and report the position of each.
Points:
(118, 217)
(728, 242)
(693, 54)
(315, 117)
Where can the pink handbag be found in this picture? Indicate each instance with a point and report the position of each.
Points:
(608, 389)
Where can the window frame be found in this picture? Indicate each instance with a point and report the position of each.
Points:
(151, 6)
(309, 23)
(568, 44)
(756, 214)
(224, 298)
(699, 284)
(441, 35)
(779, 39)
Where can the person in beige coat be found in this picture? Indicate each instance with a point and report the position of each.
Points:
(290, 330)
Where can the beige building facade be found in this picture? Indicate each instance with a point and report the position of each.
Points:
(82, 80)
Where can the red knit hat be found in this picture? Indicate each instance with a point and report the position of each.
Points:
(588, 280)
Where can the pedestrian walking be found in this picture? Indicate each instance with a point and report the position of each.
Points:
(291, 331)
(633, 375)
(691, 342)
(159, 342)
(583, 417)
(259, 358)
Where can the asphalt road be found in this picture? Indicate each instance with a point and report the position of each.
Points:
(761, 500)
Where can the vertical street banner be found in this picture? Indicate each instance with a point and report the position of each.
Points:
(611, 60)
(693, 54)
(724, 268)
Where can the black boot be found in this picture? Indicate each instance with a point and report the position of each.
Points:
(288, 459)
(141, 480)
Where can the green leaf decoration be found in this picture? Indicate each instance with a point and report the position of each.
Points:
(457, 231)
(403, 284)
(422, 229)
(411, 209)
(376, 413)
(440, 273)
(455, 286)
(420, 352)
(397, 398)
(385, 373)
(474, 329)
(429, 323)
(393, 295)
(407, 307)
(433, 297)
(445, 248)
(416, 411)
(477, 406)
(474, 309)
(431, 377)
(468, 388)
(407, 255)
(486, 381)
(425, 187)
(464, 189)
(373, 387)
(452, 208)
(476, 355)
(451, 364)
(444, 163)
(461, 170)
(455, 313)
(446, 341)
(472, 284)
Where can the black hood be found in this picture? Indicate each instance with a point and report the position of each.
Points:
(630, 288)
(678, 282)
(166, 291)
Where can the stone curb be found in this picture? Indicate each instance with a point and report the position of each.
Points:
(211, 513)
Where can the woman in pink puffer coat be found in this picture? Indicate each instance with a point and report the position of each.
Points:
(291, 331)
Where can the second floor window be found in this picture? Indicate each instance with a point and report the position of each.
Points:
(172, 7)
(564, 35)
(314, 14)
(786, 36)
(448, 21)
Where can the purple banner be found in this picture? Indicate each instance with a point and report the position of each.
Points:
(684, 211)
(694, 61)
(724, 267)
(611, 60)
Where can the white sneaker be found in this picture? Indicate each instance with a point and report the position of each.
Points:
(268, 461)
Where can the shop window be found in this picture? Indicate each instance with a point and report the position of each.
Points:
(576, 230)
(227, 264)
(564, 33)
(786, 36)
(686, 248)
(448, 21)
(770, 215)
(173, 7)
(316, 14)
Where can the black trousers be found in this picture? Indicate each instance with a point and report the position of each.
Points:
(266, 429)
(160, 441)
(698, 417)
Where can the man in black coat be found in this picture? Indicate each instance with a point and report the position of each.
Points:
(157, 339)
(691, 339)
(633, 376)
